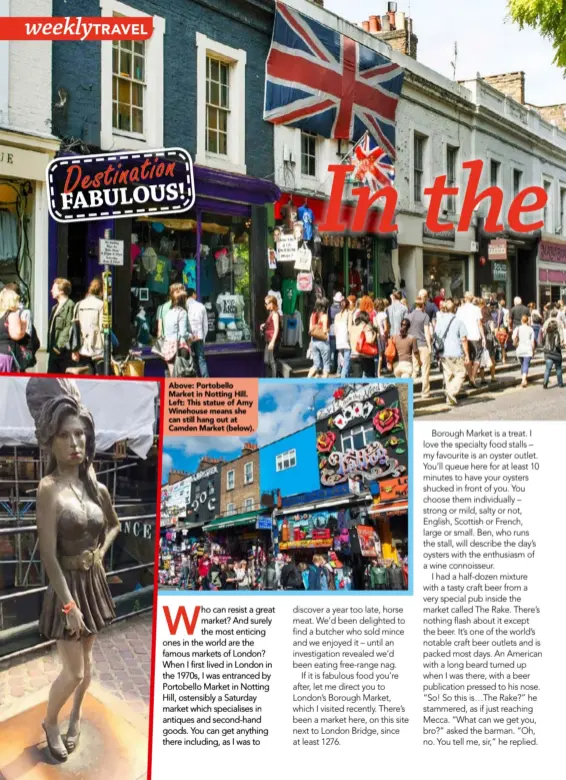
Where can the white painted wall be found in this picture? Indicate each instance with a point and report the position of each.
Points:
(4, 68)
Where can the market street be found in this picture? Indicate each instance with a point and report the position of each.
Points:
(514, 403)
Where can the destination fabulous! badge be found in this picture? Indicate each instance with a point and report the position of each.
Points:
(122, 184)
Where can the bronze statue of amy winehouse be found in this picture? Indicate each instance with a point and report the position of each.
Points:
(76, 525)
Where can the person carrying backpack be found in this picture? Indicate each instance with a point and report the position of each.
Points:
(451, 345)
(291, 577)
(552, 353)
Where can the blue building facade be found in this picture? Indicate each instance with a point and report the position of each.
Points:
(197, 83)
(290, 465)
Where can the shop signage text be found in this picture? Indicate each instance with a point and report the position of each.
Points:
(551, 252)
(365, 392)
(368, 541)
(499, 271)
(447, 236)
(6, 157)
(264, 524)
(497, 249)
(371, 462)
(111, 252)
(127, 184)
(287, 248)
(393, 489)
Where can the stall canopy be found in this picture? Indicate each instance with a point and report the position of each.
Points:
(122, 411)
(231, 521)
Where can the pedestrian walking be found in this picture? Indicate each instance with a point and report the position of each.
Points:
(332, 312)
(407, 352)
(395, 313)
(524, 343)
(271, 330)
(420, 329)
(363, 345)
(452, 346)
(60, 322)
(517, 312)
(342, 324)
(198, 325)
(88, 313)
(552, 345)
(320, 345)
(382, 327)
(536, 322)
(12, 331)
(487, 360)
(471, 317)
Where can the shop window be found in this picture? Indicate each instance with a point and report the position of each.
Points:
(231, 509)
(131, 86)
(358, 438)
(249, 504)
(248, 473)
(494, 173)
(221, 105)
(286, 460)
(128, 85)
(444, 272)
(308, 154)
(165, 251)
(231, 480)
(517, 181)
(217, 105)
(451, 175)
(418, 166)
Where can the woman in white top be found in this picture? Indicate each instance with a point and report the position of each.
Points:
(382, 325)
(342, 322)
(88, 312)
(524, 342)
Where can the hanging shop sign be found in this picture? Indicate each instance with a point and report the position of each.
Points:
(287, 248)
(125, 184)
(305, 544)
(316, 527)
(364, 438)
(304, 259)
(497, 249)
(393, 489)
(264, 524)
(111, 252)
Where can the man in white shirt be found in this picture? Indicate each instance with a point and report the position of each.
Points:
(198, 322)
(470, 316)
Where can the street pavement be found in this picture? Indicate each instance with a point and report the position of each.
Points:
(512, 403)
(122, 665)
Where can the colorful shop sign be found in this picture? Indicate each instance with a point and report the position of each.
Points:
(393, 489)
(305, 544)
(363, 437)
(307, 527)
(205, 495)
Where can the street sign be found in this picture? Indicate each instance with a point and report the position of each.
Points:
(111, 252)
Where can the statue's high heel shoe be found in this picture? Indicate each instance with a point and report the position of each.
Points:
(56, 753)
(72, 742)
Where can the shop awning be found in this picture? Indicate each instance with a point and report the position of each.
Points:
(232, 521)
(384, 509)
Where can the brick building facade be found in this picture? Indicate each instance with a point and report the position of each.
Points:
(239, 483)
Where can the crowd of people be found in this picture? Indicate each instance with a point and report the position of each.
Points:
(281, 572)
(75, 341)
(466, 338)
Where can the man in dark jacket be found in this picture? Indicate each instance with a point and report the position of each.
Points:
(60, 321)
(517, 313)
(291, 577)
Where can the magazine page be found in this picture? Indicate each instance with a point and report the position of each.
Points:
(282, 338)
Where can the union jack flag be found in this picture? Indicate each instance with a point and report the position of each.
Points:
(373, 166)
(326, 83)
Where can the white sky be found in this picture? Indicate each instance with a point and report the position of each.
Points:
(487, 41)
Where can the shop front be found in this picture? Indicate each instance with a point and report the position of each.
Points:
(240, 539)
(307, 263)
(551, 271)
(506, 265)
(219, 249)
(433, 261)
(23, 218)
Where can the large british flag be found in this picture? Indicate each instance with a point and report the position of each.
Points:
(328, 84)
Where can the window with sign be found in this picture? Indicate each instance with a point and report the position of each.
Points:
(286, 460)
(358, 438)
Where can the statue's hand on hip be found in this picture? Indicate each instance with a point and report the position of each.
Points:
(75, 622)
